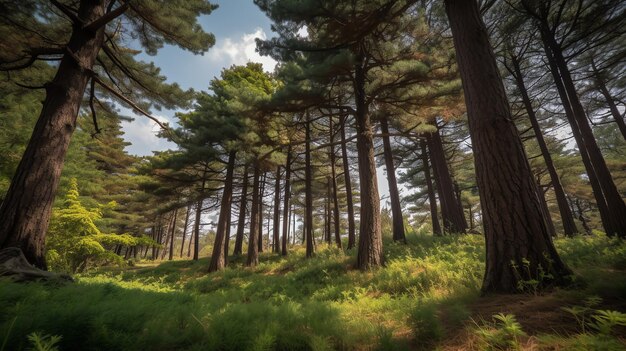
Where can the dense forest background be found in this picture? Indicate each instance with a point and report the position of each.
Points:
(498, 127)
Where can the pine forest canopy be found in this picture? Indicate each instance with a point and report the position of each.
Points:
(500, 118)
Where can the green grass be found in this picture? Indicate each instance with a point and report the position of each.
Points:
(416, 301)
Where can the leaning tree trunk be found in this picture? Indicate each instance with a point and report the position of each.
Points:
(434, 217)
(614, 201)
(25, 211)
(394, 195)
(333, 174)
(519, 247)
(370, 252)
(286, 213)
(451, 213)
(218, 260)
(567, 218)
(241, 219)
(600, 84)
(276, 228)
(308, 184)
(348, 182)
(253, 248)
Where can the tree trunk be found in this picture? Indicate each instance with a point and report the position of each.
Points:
(26, 209)
(348, 181)
(614, 201)
(370, 252)
(196, 230)
(394, 194)
(546, 211)
(518, 244)
(218, 260)
(327, 220)
(308, 184)
(253, 248)
(333, 173)
(569, 226)
(286, 213)
(452, 215)
(434, 217)
(261, 196)
(182, 245)
(619, 119)
(276, 228)
(241, 219)
(171, 255)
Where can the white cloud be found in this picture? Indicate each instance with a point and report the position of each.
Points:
(142, 133)
(241, 51)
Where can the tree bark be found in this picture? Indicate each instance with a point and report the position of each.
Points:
(241, 219)
(171, 255)
(261, 196)
(196, 229)
(333, 173)
(434, 217)
(370, 252)
(619, 119)
(394, 194)
(518, 244)
(327, 220)
(276, 228)
(253, 248)
(567, 218)
(182, 245)
(348, 182)
(308, 185)
(286, 198)
(218, 260)
(26, 209)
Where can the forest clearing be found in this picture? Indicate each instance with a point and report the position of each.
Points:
(312, 175)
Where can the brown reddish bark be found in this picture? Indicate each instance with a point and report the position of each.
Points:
(218, 257)
(308, 185)
(370, 252)
(567, 218)
(26, 209)
(333, 173)
(434, 217)
(276, 228)
(348, 182)
(515, 230)
(241, 219)
(394, 194)
(253, 248)
(286, 198)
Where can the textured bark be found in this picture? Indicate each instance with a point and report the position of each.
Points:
(601, 85)
(171, 255)
(515, 230)
(394, 194)
(434, 217)
(26, 209)
(567, 218)
(276, 228)
(333, 175)
(218, 257)
(308, 184)
(614, 201)
(370, 252)
(241, 219)
(348, 181)
(182, 245)
(545, 210)
(327, 220)
(260, 202)
(451, 213)
(253, 248)
(196, 230)
(286, 197)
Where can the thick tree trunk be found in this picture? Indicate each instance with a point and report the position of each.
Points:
(261, 197)
(218, 260)
(614, 201)
(308, 185)
(370, 252)
(434, 217)
(276, 228)
(26, 209)
(348, 181)
(253, 248)
(518, 244)
(182, 245)
(286, 197)
(171, 255)
(607, 221)
(394, 194)
(241, 219)
(333, 174)
(567, 218)
(451, 214)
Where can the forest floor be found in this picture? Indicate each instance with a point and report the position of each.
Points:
(425, 298)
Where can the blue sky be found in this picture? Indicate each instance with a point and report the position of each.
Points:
(235, 24)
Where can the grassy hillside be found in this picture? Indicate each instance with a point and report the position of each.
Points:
(427, 297)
